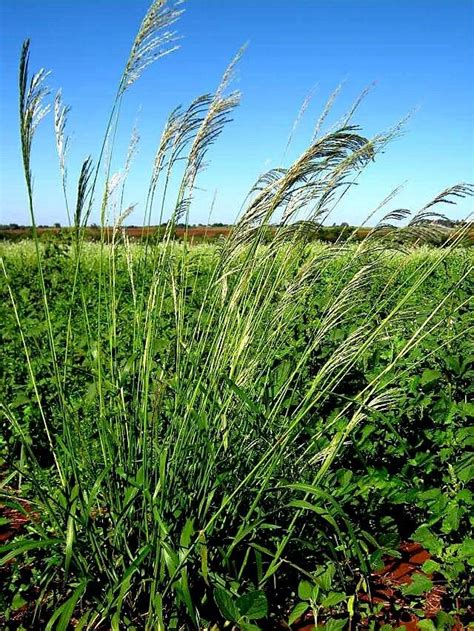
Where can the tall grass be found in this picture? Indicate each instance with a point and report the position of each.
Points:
(197, 445)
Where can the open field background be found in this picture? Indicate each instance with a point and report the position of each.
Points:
(200, 234)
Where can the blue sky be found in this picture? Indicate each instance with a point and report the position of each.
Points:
(420, 52)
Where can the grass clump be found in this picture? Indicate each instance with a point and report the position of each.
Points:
(192, 424)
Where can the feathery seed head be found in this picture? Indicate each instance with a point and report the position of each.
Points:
(153, 41)
(32, 110)
(61, 112)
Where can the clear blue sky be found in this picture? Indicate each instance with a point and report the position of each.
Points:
(419, 51)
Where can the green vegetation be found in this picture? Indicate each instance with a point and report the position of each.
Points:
(231, 432)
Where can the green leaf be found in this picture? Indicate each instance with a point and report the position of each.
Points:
(465, 469)
(335, 625)
(83, 620)
(254, 407)
(170, 557)
(427, 625)
(124, 587)
(187, 533)
(226, 604)
(451, 571)
(467, 409)
(430, 566)
(297, 612)
(305, 590)
(350, 605)
(19, 547)
(324, 579)
(333, 598)
(424, 536)
(65, 612)
(465, 496)
(452, 519)
(444, 620)
(253, 605)
(466, 550)
(18, 601)
(204, 557)
(316, 509)
(91, 393)
(429, 376)
(182, 588)
(419, 585)
(248, 626)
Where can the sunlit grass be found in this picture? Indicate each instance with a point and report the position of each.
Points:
(182, 422)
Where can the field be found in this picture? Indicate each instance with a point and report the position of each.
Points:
(210, 234)
(259, 430)
(211, 438)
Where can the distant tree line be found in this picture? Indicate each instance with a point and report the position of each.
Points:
(308, 230)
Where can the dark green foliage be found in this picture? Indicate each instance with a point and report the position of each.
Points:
(403, 474)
